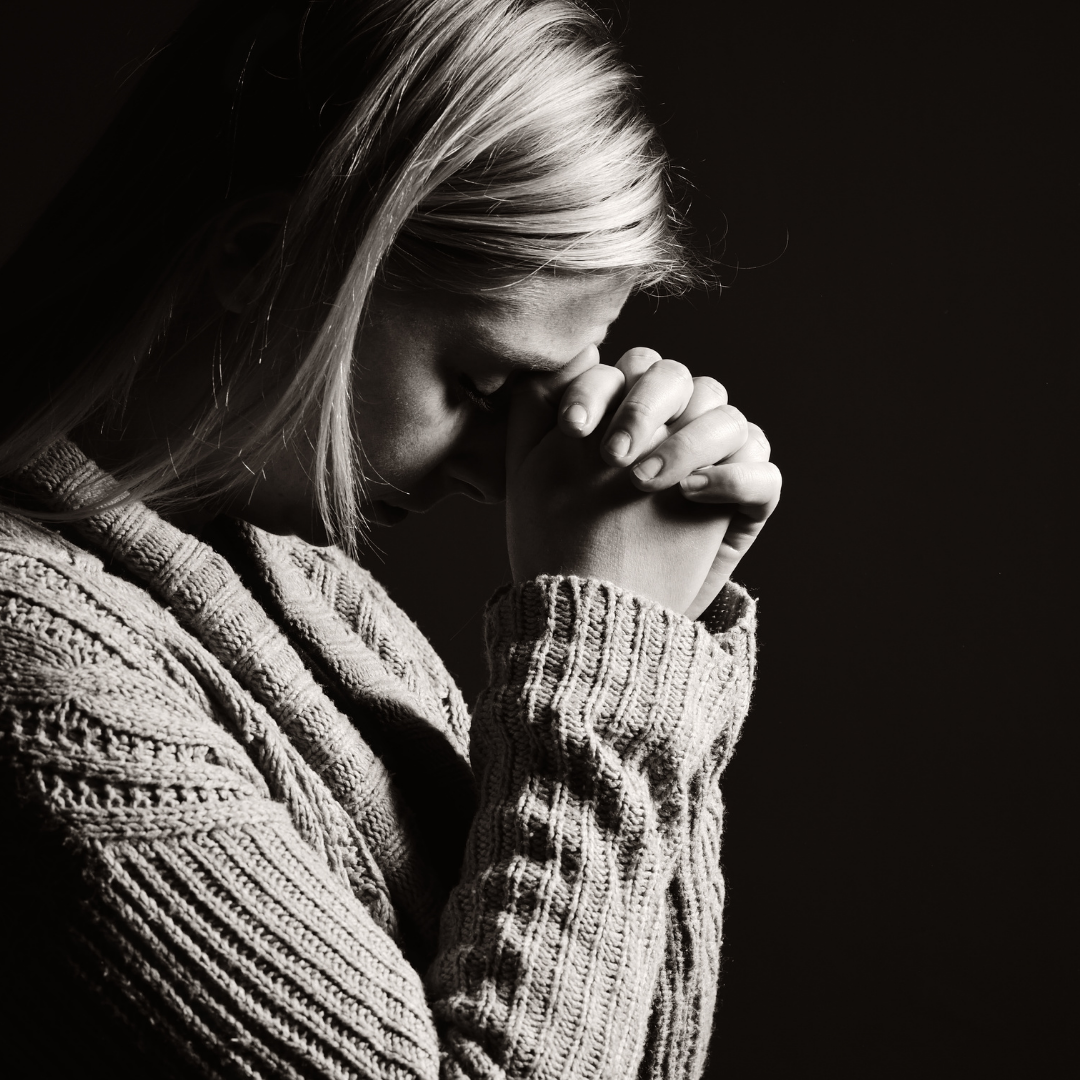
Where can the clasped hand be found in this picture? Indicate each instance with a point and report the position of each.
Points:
(638, 474)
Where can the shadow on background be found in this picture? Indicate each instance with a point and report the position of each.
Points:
(894, 852)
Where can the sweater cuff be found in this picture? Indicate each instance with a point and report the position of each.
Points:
(571, 653)
(733, 608)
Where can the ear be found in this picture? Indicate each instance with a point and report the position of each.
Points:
(242, 237)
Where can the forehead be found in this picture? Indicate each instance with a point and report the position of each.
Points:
(554, 318)
(542, 323)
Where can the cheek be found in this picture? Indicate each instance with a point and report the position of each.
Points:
(404, 436)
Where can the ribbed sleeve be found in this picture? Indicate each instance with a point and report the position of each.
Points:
(240, 946)
(605, 717)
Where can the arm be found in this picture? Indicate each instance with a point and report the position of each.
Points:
(603, 714)
(686, 445)
(226, 941)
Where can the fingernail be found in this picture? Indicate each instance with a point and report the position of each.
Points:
(695, 482)
(575, 414)
(647, 469)
(619, 444)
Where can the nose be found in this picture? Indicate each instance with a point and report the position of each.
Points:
(478, 463)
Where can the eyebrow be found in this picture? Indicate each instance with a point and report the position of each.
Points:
(535, 361)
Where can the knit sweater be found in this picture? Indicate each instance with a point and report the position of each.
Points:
(251, 830)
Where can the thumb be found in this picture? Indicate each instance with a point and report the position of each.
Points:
(534, 406)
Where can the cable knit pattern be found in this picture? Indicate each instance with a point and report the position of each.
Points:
(252, 812)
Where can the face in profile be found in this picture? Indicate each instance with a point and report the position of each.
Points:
(432, 376)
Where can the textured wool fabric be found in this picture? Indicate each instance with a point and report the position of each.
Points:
(251, 830)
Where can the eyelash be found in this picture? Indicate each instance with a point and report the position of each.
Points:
(489, 403)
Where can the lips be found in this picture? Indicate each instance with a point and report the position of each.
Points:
(419, 501)
(386, 514)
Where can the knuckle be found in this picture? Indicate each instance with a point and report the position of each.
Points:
(679, 449)
(740, 479)
(634, 410)
(707, 384)
(755, 483)
(757, 437)
(673, 369)
(638, 359)
(777, 478)
(600, 378)
(737, 418)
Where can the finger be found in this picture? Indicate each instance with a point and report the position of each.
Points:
(711, 437)
(551, 385)
(534, 403)
(660, 394)
(635, 362)
(708, 394)
(715, 580)
(753, 486)
(588, 398)
(741, 533)
(756, 447)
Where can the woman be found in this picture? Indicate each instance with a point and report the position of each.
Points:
(335, 261)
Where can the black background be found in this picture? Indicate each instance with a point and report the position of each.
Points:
(893, 196)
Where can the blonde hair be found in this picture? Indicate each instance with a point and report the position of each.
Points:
(463, 145)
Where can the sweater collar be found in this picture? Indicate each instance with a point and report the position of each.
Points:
(189, 576)
(210, 600)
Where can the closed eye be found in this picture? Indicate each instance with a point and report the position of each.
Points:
(492, 402)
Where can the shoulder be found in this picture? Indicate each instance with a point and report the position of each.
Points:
(41, 569)
(27, 547)
(88, 647)
(55, 592)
